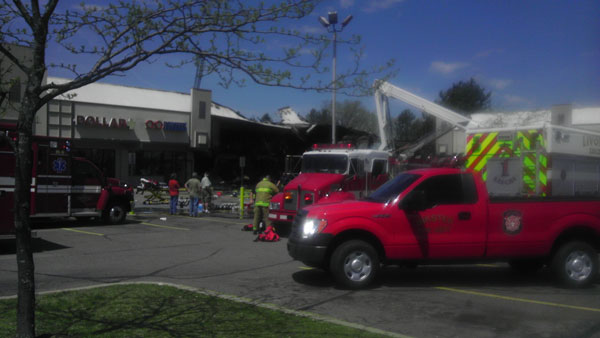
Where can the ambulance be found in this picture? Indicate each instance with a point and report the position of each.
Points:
(61, 186)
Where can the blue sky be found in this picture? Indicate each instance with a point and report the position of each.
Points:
(529, 54)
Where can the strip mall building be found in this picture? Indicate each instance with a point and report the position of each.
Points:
(131, 132)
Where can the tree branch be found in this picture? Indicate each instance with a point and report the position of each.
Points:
(13, 59)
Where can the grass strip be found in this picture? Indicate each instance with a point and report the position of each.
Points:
(146, 310)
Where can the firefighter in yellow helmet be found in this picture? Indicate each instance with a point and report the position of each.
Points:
(265, 190)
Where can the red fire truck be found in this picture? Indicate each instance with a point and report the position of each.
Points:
(62, 185)
(330, 173)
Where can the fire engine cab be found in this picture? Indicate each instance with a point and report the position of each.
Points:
(330, 172)
(62, 185)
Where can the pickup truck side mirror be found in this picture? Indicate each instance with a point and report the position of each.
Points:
(415, 201)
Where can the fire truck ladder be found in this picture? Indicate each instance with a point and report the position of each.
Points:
(385, 89)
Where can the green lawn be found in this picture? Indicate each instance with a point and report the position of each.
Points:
(147, 310)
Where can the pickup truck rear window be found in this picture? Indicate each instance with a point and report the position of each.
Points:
(449, 189)
(392, 188)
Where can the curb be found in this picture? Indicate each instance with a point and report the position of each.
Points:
(144, 211)
(236, 299)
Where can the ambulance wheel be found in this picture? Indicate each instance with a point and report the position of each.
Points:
(354, 264)
(115, 214)
(575, 264)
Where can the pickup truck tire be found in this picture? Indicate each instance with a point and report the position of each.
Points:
(354, 264)
(114, 214)
(575, 264)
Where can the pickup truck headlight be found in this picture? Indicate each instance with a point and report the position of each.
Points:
(274, 205)
(312, 226)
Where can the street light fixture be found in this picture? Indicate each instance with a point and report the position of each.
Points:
(329, 23)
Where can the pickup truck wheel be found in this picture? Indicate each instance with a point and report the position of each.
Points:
(354, 264)
(575, 264)
(115, 214)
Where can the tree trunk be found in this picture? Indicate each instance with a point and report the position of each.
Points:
(25, 265)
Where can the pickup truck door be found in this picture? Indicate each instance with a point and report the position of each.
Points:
(453, 222)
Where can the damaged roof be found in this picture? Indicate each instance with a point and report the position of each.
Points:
(290, 117)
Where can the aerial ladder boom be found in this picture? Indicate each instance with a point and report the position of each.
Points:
(385, 89)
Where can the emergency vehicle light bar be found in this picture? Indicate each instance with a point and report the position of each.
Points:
(333, 146)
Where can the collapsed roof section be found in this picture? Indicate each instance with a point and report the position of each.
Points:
(290, 117)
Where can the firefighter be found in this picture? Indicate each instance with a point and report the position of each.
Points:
(265, 190)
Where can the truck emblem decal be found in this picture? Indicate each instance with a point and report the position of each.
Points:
(427, 219)
(59, 165)
(512, 222)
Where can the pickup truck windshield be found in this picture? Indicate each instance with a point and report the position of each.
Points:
(326, 163)
(393, 188)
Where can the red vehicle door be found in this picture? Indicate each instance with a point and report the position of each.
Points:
(7, 190)
(87, 186)
(52, 180)
(453, 224)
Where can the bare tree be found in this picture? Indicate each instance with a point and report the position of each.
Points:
(236, 40)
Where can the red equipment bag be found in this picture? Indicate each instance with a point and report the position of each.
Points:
(248, 227)
(269, 235)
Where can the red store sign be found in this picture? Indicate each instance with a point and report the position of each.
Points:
(154, 124)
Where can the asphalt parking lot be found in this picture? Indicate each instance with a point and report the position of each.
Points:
(212, 253)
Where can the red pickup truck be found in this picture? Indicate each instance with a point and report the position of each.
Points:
(446, 216)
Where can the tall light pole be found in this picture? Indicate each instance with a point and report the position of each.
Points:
(329, 23)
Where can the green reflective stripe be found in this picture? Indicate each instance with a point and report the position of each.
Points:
(262, 204)
(524, 141)
(543, 179)
(529, 160)
(263, 190)
(543, 160)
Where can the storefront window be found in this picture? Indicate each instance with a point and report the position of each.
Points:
(60, 118)
(158, 163)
